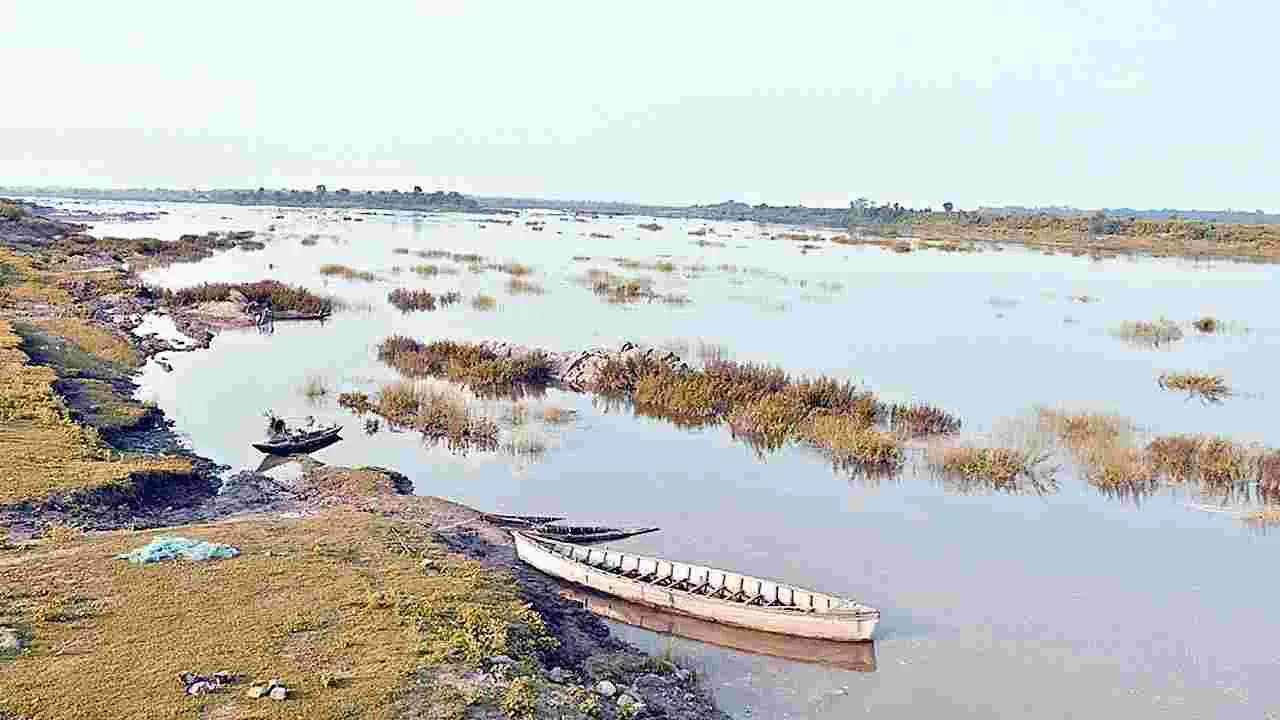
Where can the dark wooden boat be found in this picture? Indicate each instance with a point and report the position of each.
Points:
(301, 442)
(581, 534)
(295, 315)
(519, 520)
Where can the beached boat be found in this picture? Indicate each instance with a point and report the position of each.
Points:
(298, 315)
(588, 533)
(702, 592)
(300, 442)
(519, 520)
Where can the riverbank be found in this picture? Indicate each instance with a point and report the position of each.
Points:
(361, 599)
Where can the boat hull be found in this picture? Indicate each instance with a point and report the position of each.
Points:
(304, 446)
(549, 532)
(841, 626)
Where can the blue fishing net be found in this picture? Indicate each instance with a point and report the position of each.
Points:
(169, 548)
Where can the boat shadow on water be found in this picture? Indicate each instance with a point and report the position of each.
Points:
(854, 656)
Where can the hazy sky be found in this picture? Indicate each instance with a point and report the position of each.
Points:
(1113, 103)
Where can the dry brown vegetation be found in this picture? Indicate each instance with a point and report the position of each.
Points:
(438, 412)
(1150, 334)
(109, 345)
(354, 604)
(406, 300)
(44, 451)
(1206, 325)
(621, 290)
(468, 364)
(520, 286)
(1001, 466)
(429, 270)
(1207, 388)
(346, 273)
(484, 303)
(281, 296)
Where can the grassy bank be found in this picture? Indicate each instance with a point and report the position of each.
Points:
(47, 453)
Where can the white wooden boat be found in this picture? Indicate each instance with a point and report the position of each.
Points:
(703, 592)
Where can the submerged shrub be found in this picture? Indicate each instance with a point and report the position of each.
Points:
(279, 295)
(851, 443)
(466, 363)
(410, 300)
(520, 286)
(1150, 334)
(1000, 465)
(484, 303)
(1209, 388)
(922, 419)
(1206, 324)
(346, 273)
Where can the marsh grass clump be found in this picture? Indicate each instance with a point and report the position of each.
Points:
(315, 387)
(512, 268)
(1207, 325)
(437, 413)
(651, 226)
(1002, 466)
(357, 402)
(105, 344)
(520, 286)
(852, 444)
(471, 365)
(484, 303)
(1149, 334)
(557, 415)
(922, 419)
(1269, 474)
(429, 270)
(279, 295)
(1210, 389)
(346, 273)
(406, 300)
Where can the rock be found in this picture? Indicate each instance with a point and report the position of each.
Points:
(683, 675)
(559, 675)
(626, 701)
(11, 641)
(279, 692)
(606, 688)
(257, 691)
(500, 660)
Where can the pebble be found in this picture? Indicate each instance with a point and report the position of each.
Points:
(683, 675)
(257, 691)
(500, 660)
(279, 692)
(606, 688)
(559, 675)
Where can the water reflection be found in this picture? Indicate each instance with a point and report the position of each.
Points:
(859, 656)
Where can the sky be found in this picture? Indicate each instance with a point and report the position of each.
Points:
(1121, 103)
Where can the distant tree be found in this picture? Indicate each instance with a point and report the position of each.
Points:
(1097, 222)
(320, 190)
(948, 207)
(417, 189)
(344, 192)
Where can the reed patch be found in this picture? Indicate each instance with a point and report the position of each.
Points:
(1206, 387)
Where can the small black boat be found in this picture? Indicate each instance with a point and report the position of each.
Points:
(519, 520)
(283, 441)
(588, 533)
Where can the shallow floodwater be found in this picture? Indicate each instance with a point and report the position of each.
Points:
(1070, 604)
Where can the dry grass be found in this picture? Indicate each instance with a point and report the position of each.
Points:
(1150, 334)
(922, 419)
(512, 268)
(281, 296)
(1207, 388)
(428, 270)
(346, 273)
(558, 416)
(411, 300)
(315, 387)
(438, 412)
(622, 290)
(850, 443)
(357, 402)
(1206, 325)
(464, 363)
(484, 303)
(1001, 466)
(1269, 473)
(106, 344)
(341, 595)
(520, 286)
(44, 452)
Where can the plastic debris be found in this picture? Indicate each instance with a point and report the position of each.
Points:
(204, 684)
(169, 548)
(275, 690)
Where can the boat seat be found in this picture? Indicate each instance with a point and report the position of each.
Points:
(702, 589)
(663, 581)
